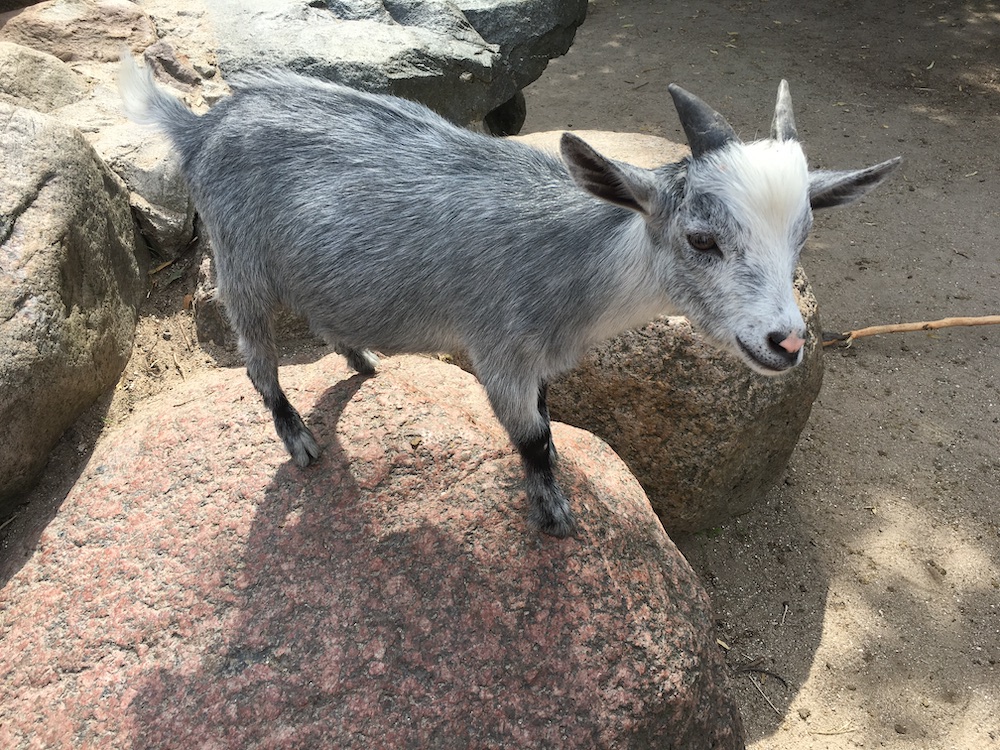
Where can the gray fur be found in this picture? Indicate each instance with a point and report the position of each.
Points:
(390, 229)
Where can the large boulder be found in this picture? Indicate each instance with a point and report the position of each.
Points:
(198, 589)
(69, 291)
(705, 436)
(461, 64)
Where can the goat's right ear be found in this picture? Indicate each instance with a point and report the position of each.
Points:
(829, 188)
(611, 181)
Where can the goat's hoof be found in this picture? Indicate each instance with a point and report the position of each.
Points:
(303, 448)
(362, 360)
(554, 518)
(560, 528)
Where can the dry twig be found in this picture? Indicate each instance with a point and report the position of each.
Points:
(846, 729)
(753, 681)
(928, 325)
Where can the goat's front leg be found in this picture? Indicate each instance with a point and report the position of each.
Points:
(520, 407)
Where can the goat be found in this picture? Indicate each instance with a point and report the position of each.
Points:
(390, 229)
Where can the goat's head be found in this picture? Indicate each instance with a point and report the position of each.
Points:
(728, 224)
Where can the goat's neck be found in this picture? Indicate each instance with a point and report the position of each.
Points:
(634, 290)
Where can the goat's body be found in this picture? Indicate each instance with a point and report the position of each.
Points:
(388, 228)
(344, 239)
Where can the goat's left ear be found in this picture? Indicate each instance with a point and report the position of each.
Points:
(836, 188)
(612, 181)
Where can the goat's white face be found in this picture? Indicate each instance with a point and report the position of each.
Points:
(726, 226)
(735, 241)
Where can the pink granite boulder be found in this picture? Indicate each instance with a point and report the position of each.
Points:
(196, 589)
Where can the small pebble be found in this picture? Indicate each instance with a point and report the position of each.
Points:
(900, 728)
(804, 713)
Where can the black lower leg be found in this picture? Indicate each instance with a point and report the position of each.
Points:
(535, 455)
(543, 407)
(550, 510)
(298, 440)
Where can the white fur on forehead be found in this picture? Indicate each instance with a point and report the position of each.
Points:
(765, 183)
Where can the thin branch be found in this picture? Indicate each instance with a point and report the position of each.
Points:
(846, 338)
(753, 681)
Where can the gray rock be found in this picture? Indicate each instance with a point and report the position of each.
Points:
(529, 34)
(427, 50)
(69, 290)
(508, 118)
(37, 80)
(197, 589)
(704, 435)
(157, 190)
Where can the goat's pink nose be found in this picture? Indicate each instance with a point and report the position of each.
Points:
(792, 343)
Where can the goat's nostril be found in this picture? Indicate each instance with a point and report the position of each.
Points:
(789, 344)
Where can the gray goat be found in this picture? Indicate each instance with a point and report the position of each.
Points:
(389, 228)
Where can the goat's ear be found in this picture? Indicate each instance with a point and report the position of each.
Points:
(604, 178)
(830, 188)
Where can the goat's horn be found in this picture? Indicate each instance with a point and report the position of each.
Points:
(783, 125)
(705, 128)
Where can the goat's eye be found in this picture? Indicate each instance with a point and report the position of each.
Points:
(703, 242)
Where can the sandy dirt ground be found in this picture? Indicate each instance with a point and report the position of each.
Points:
(868, 580)
(860, 603)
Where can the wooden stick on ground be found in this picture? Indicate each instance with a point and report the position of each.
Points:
(846, 338)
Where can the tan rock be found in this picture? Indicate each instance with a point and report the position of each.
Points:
(69, 289)
(91, 30)
(705, 435)
(37, 80)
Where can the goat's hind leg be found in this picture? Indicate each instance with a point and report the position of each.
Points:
(361, 360)
(256, 341)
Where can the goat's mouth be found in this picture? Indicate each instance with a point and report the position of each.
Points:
(770, 366)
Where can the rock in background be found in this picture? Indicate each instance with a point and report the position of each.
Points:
(81, 30)
(37, 80)
(69, 289)
(704, 435)
(461, 64)
(197, 588)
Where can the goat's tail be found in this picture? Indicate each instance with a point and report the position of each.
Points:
(146, 103)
